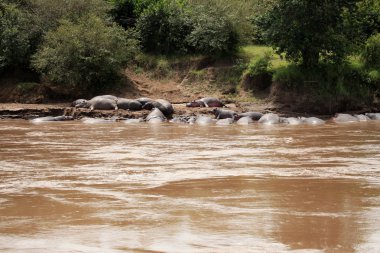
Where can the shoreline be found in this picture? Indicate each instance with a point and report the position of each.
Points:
(31, 111)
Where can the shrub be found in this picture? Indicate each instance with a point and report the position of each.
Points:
(259, 66)
(14, 36)
(371, 52)
(213, 32)
(86, 55)
(163, 27)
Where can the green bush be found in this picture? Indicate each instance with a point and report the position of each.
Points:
(163, 27)
(213, 32)
(86, 55)
(259, 66)
(14, 36)
(371, 52)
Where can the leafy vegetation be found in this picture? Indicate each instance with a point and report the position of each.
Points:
(86, 55)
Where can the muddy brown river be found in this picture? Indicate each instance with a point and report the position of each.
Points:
(114, 187)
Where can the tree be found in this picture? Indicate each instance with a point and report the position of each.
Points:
(14, 36)
(307, 30)
(163, 27)
(86, 55)
(213, 32)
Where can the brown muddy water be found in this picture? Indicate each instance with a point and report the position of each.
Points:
(75, 187)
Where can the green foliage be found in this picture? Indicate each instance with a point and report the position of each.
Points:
(163, 27)
(85, 55)
(371, 52)
(315, 29)
(327, 80)
(259, 66)
(14, 36)
(212, 32)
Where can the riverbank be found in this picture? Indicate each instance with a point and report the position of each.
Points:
(31, 111)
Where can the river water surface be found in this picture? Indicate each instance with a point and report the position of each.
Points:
(114, 187)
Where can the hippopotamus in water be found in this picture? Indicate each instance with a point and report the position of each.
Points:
(253, 115)
(128, 104)
(205, 102)
(293, 121)
(224, 122)
(204, 120)
(373, 116)
(362, 117)
(245, 121)
(133, 121)
(270, 119)
(312, 121)
(155, 116)
(345, 118)
(52, 118)
(163, 105)
(223, 114)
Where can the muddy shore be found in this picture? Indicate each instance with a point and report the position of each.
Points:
(31, 111)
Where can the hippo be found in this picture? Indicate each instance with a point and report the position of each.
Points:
(192, 120)
(204, 120)
(144, 100)
(104, 102)
(270, 119)
(80, 103)
(362, 117)
(373, 116)
(99, 103)
(178, 120)
(226, 121)
(133, 121)
(293, 121)
(312, 121)
(205, 102)
(163, 105)
(345, 118)
(224, 114)
(128, 104)
(98, 120)
(155, 116)
(253, 115)
(245, 121)
(52, 118)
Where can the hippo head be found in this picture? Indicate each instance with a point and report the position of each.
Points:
(81, 103)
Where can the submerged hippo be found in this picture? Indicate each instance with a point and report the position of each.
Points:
(128, 104)
(163, 105)
(245, 121)
(293, 121)
(133, 121)
(345, 118)
(362, 117)
(270, 119)
(155, 116)
(224, 122)
(313, 121)
(205, 102)
(204, 120)
(52, 118)
(373, 116)
(253, 115)
(224, 114)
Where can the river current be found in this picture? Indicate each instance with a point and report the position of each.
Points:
(115, 187)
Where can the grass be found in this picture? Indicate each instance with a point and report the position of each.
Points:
(252, 53)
